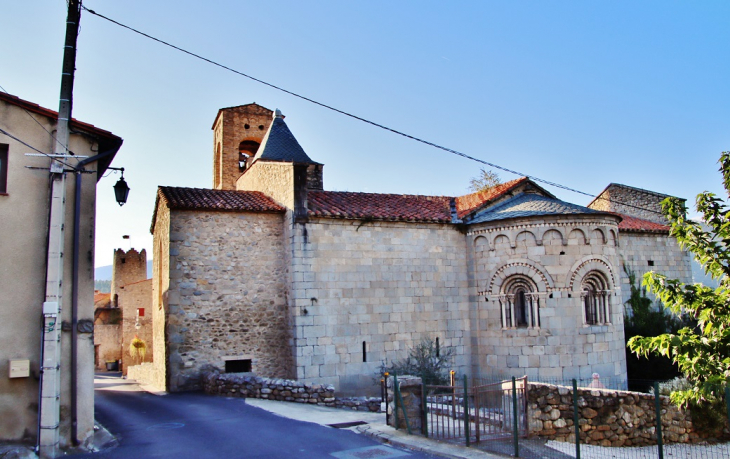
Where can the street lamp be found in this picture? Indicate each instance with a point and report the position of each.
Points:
(121, 189)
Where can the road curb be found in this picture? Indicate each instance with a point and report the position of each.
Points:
(422, 444)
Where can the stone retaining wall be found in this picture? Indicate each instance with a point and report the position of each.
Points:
(606, 417)
(246, 385)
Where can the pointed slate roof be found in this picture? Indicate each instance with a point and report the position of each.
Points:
(471, 204)
(530, 205)
(279, 144)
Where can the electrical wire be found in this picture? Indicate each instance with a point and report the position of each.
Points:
(364, 120)
(35, 149)
(39, 124)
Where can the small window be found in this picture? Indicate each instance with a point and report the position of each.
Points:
(364, 351)
(3, 168)
(651, 262)
(238, 366)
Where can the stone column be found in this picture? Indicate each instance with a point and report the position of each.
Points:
(410, 390)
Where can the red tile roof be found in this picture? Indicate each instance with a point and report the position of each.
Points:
(471, 202)
(634, 224)
(389, 207)
(219, 200)
(35, 108)
(98, 296)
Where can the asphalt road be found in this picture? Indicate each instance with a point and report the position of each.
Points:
(194, 425)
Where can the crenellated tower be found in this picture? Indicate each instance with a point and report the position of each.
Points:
(128, 267)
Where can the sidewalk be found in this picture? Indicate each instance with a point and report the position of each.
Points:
(374, 426)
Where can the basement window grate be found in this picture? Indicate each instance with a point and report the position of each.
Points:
(238, 366)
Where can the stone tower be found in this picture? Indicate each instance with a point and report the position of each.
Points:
(127, 267)
(237, 135)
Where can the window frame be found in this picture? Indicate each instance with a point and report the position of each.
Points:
(519, 299)
(4, 167)
(595, 299)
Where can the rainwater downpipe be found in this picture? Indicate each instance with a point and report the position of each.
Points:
(75, 281)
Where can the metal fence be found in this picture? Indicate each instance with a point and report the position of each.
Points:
(496, 417)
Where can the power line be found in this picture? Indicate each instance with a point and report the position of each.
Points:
(39, 124)
(35, 149)
(364, 120)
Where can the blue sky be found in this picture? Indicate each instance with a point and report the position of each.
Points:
(579, 93)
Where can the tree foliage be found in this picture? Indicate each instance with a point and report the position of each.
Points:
(643, 318)
(702, 352)
(485, 180)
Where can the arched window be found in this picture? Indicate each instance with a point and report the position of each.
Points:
(520, 304)
(596, 299)
(246, 150)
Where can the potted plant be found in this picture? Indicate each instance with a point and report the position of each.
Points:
(137, 349)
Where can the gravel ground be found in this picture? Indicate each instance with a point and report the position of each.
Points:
(682, 451)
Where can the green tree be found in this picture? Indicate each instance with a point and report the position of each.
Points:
(485, 180)
(702, 352)
(643, 318)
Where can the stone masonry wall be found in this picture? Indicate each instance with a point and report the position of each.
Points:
(409, 402)
(247, 385)
(553, 255)
(227, 295)
(606, 417)
(134, 297)
(109, 340)
(631, 201)
(128, 267)
(160, 296)
(381, 285)
(234, 125)
(637, 250)
(274, 179)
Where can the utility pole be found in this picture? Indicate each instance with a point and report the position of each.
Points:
(50, 397)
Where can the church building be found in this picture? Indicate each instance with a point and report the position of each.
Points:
(269, 273)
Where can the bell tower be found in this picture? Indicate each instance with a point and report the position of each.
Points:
(237, 135)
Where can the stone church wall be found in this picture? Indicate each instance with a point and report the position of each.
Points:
(554, 255)
(227, 295)
(644, 252)
(381, 285)
(628, 200)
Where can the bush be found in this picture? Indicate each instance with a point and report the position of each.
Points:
(426, 360)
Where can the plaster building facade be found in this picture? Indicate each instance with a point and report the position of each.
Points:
(24, 219)
(269, 273)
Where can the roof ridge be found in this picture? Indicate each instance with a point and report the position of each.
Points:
(385, 194)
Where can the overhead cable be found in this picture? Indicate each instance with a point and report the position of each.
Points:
(35, 149)
(364, 120)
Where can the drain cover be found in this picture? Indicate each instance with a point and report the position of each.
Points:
(347, 425)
